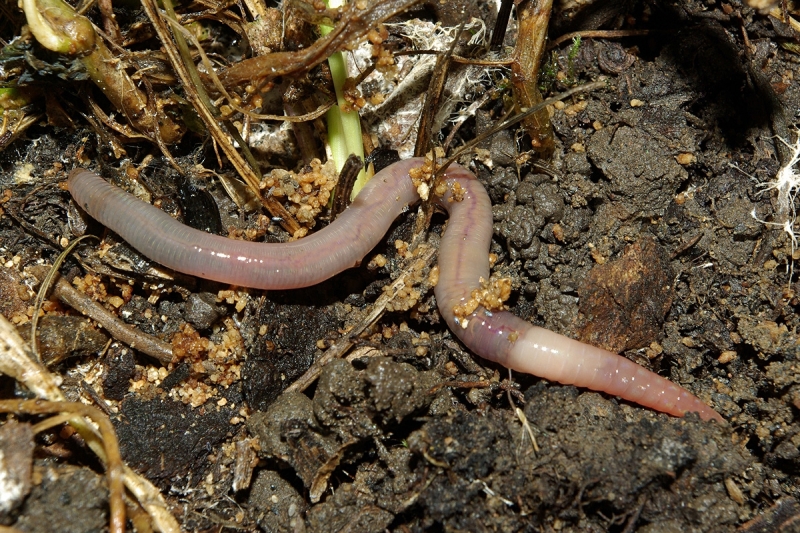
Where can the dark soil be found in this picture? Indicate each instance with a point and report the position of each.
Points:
(642, 234)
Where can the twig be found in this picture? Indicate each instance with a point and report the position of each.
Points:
(482, 384)
(631, 526)
(357, 20)
(45, 285)
(125, 333)
(341, 346)
(519, 117)
(109, 22)
(533, 16)
(597, 34)
(211, 73)
(433, 96)
(275, 208)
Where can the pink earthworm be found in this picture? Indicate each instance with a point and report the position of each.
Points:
(463, 260)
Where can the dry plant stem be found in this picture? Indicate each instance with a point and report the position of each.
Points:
(355, 24)
(17, 363)
(105, 137)
(107, 72)
(275, 208)
(463, 261)
(257, 8)
(162, 145)
(433, 97)
(122, 129)
(179, 31)
(53, 421)
(516, 119)
(57, 26)
(482, 384)
(299, 119)
(46, 281)
(118, 329)
(183, 50)
(113, 463)
(597, 34)
(484, 62)
(533, 17)
(340, 347)
(21, 124)
(784, 17)
(109, 21)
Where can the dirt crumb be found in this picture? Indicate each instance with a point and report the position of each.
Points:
(490, 295)
(308, 191)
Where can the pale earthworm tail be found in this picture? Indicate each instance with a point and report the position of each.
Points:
(463, 261)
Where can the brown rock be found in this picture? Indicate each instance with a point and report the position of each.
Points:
(624, 302)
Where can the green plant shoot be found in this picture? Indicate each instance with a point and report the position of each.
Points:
(344, 127)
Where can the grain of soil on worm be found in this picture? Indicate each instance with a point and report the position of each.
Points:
(644, 180)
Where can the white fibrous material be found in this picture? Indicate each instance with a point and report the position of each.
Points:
(397, 116)
(786, 183)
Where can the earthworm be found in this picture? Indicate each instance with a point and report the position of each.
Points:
(463, 260)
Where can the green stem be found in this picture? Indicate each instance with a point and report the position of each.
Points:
(344, 127)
